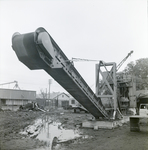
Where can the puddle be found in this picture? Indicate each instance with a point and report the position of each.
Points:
(52, 133)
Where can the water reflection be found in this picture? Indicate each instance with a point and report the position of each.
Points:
(51, 132)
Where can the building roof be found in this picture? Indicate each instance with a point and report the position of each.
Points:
(17, 94)
(60, 94)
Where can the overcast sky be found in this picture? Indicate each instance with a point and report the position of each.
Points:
(103, 29)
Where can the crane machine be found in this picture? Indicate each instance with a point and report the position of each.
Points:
(121, 63)
(15, 87)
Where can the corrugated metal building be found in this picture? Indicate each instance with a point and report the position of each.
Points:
(12, 99)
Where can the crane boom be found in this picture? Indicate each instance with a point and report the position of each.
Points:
(121, 63)
(8, 83)
(16, 84)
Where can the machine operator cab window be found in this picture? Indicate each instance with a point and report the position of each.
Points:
(143, 111)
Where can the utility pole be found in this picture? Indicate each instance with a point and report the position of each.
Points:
(49, 81)
(46, 98)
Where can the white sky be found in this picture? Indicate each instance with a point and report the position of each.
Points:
(103, 29)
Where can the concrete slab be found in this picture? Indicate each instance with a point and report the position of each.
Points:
(104, 124)
(97, 124)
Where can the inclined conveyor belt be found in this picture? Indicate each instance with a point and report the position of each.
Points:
(37, 50)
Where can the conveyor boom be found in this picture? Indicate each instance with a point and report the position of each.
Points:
(37, 50)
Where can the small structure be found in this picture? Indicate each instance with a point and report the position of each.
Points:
(64, 100)
(12, 99)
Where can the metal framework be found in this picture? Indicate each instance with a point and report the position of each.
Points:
(121, 63)
(106, 84)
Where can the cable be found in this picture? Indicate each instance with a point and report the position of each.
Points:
(79, 59)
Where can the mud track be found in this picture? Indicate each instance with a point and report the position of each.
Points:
(11, 123)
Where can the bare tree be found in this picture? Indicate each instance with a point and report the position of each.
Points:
(43, 94)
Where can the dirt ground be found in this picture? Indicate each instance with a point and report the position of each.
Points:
(11, 123)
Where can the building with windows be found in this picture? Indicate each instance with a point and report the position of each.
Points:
(64, 100)
(12, 99)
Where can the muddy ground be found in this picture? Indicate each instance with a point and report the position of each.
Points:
(11, 123)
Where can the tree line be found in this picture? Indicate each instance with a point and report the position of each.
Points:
(139, 69)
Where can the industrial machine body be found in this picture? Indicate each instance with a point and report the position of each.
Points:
(38, 50)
